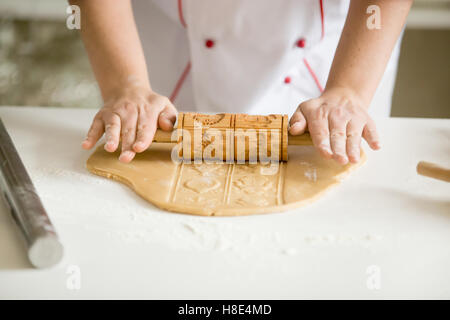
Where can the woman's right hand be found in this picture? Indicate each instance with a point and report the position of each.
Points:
(132, 116)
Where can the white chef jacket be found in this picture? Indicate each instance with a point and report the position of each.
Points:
(245, 56)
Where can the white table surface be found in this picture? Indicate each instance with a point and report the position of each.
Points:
(119, 246)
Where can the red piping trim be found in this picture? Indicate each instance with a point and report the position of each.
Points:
(183, 76)
(180, 82)
(322, 18)
(313, 74)
(180, 13)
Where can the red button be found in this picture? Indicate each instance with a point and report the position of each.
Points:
(209, 43)
(301, 43)
(287, 80)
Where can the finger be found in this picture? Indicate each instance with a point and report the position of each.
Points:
(370, 134)
(167, 117)
(146, 124)
(112, 132)
(128, 134)
(318, 128)
(338, 138)
(354, 132)
(297, 124)
(95, 132)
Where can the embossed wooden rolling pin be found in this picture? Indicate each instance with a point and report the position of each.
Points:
(239, 136)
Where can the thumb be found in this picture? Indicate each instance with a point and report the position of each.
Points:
(167, 118)
(297, 124)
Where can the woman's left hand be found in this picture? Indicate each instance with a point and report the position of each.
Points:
(336, 121)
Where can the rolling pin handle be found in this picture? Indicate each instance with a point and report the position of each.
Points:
(163, 136)
(300, 140)
(432, 170)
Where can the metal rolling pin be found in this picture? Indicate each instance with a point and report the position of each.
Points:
(44, 247)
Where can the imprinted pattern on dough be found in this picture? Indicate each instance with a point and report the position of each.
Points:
(232, 185)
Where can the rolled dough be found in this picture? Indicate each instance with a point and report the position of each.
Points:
(222, 189)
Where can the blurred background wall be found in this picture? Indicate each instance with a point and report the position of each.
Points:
(42, 63)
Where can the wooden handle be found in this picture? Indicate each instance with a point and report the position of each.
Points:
(163, 136)
(301, 140)
(432, 170)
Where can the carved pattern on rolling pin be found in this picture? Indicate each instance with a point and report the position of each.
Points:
(259, 121)
(208, 120)
(272, 121)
